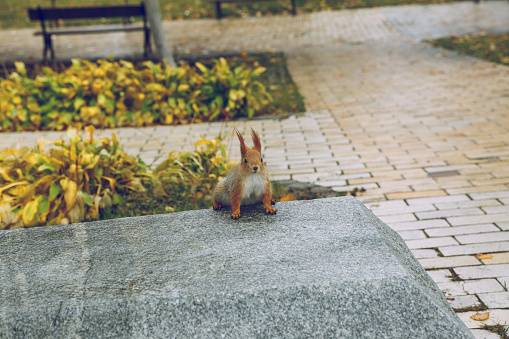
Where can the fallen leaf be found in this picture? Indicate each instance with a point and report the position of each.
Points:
(288, 197)
(449, 298)
(243, 54)
(366, 69)
(339, 75)
(482, 256)
(480, 316)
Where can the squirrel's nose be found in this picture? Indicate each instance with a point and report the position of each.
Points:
(255, 168)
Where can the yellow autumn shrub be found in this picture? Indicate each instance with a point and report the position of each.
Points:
(91, 179)
(70, 182)
(114, 94)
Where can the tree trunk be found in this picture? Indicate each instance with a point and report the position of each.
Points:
(156, 28)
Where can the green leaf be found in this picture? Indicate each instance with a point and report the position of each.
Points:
(78, 102)
(43, 207)
(99, 172)
(54, 189)
(87, 199)
(46, 166)
(117, 199)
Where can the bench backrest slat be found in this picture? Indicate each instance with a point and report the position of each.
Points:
(85, 12)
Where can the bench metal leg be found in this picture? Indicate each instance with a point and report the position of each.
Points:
(219, 15)
(48, 47)
(147, 48)
(294, 9)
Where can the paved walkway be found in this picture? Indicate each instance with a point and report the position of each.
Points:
(423, 130)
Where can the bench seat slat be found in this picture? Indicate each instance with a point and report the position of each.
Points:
(91, 29)
(86, 12)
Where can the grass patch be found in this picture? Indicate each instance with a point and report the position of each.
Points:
(501, 330)
(14, 12)
(477, 308)
(490, 47)
(454, 276)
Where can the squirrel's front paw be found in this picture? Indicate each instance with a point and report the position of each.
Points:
(217, 207)
(270, 210)
(236, 215)
(272, 201)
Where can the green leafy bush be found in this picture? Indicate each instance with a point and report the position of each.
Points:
(115, 94)
(84, 179)
(184, 181)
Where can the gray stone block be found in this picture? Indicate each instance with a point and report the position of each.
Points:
(320, 268)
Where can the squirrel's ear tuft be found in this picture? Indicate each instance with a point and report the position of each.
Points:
(243, 148)
(256, 141)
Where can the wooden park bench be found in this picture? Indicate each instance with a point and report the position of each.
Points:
(219, 14)
(53, 14)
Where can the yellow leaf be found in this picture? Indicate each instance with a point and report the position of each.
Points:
(90, 129)
(70, 194)
(183, 87)
(29, 212)
(201, 67)
(288, 197)
(480, 316)
(481, 256)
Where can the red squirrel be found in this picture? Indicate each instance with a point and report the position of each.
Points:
(247, 183)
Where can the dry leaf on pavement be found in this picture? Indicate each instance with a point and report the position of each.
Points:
(480, 316)
(482, 256)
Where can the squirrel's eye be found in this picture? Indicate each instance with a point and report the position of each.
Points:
(245, 161)
(262, 159)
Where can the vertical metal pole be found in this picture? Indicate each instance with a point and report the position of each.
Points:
(156, 28)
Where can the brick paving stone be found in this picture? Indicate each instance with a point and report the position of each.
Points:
(430, 242)
(503, 225)
(478, 219)
(410, 195)
(418, 225)
(463, 301)
(484, 334)
(382, 205)
(498, 258)
(476, 189)
(475, 248)
(495, 300)
(482, 286)
(490, 195)
(397, 218)
(438, 200)
(484, 271)
(452, 288)
(467, 204)
(411, 235)
(497, 316)
(426, 253)
(483, 237)
(442, 262)
(449, 213)
(496, 209)
(460, 230)
(440, 276)
(403, 210)
(504, 281)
